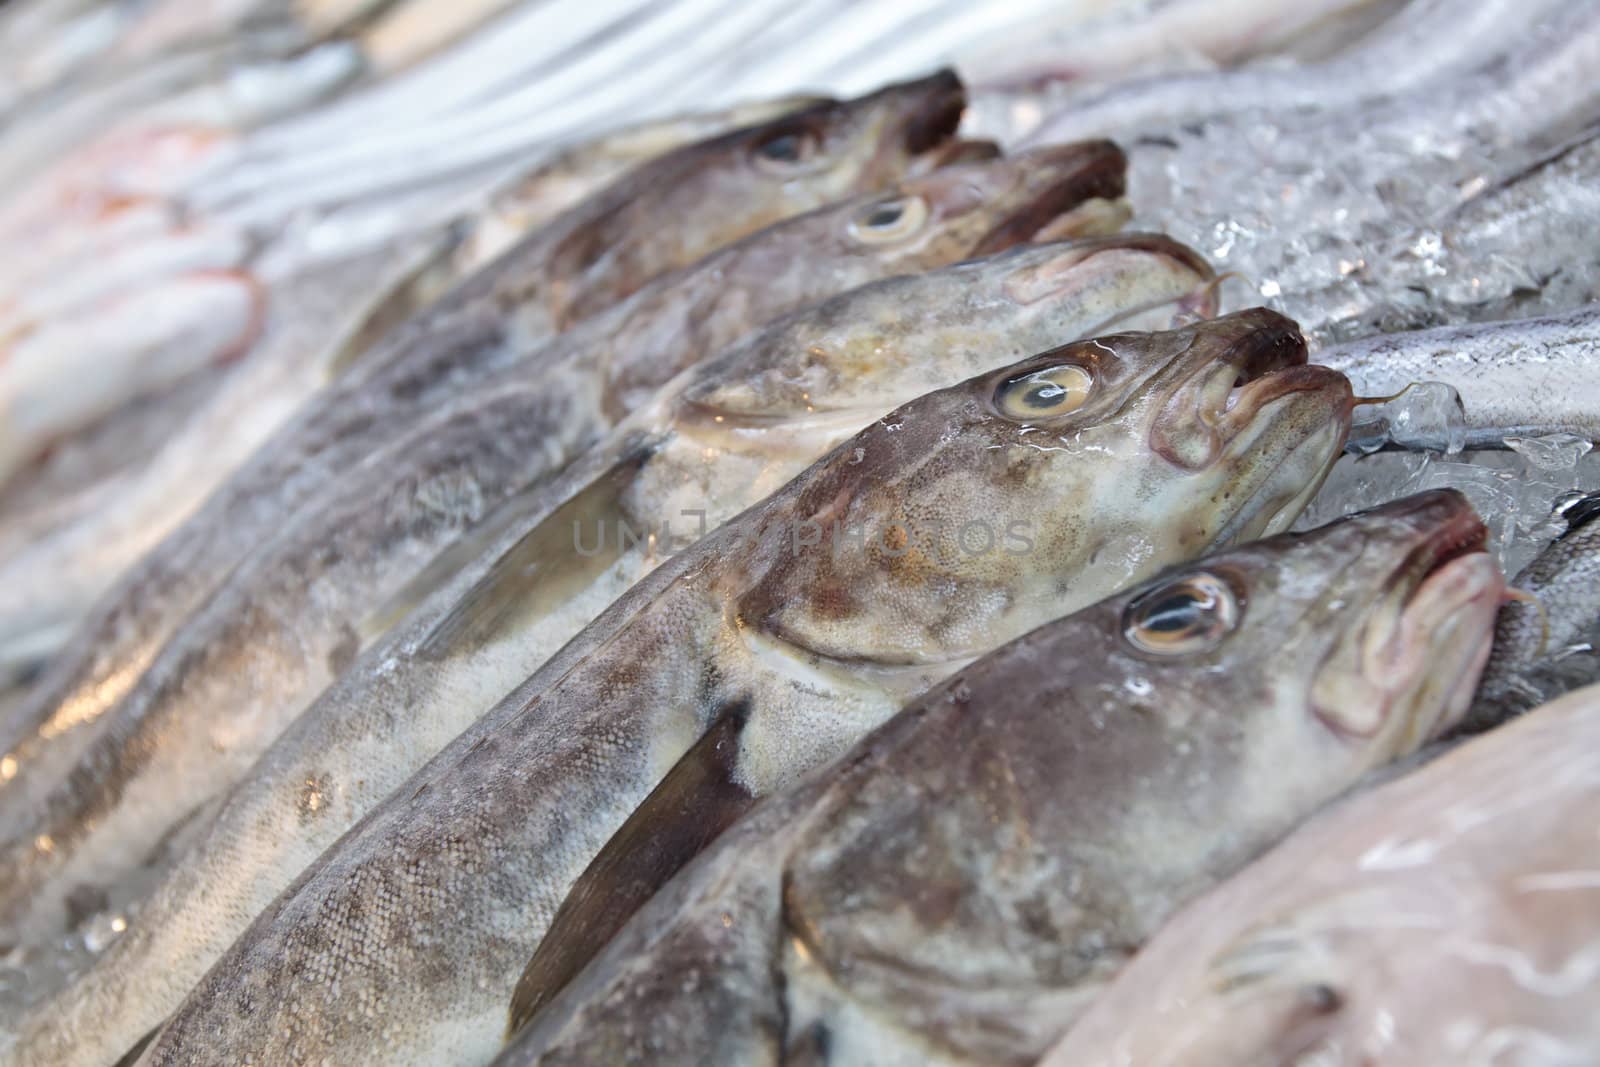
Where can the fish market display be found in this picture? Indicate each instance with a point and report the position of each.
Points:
(163, 749)
(1447, 917)
(768, 173)
(711, 444)
(788, 654)
(460, 460)
(964, 881)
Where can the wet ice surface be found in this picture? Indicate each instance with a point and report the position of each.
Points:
(1515, 490)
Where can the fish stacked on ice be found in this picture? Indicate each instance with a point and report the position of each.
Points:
(781, 580)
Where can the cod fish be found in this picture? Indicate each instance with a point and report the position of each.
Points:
(283, 625)
(956, 522)
(1451, 916)
(665, 214)
(1521, 378)
(971, 874)
(1543, 646)
(715, 441)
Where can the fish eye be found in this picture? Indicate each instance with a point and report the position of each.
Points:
(1057, 390)
(890, 220)
(1187, 615)
(786, 148)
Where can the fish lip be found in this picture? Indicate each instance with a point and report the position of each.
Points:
(936, 116)
(1446, 528)
(1445, 585)
(1086, 170)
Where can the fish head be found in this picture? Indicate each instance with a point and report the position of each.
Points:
(846, 361)
(843, 147)
(977, 512)
(981, 207)
(1099, 770)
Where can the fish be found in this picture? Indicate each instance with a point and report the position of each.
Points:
(73, 525)
(1522, 378)
(713, 192)
(1425, 40)
(1446, 916)
(715, 441)
(536, 195)
(948, 526)
(283, 626)
(969, 876)
(1543, 644)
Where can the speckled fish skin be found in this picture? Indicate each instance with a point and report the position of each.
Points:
(712, 192)
(1448, 917)
(1534, 659)
(971, 874)
(283, 626)
(534, 198)
(817, 645)
(1525, 377)
(784, 396)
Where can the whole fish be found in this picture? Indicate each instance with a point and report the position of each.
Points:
(1543, 646)
(971, 874)
(1450, 916)
(284, 624)
(1526, 377)
(610, 244)
(713, 442)
(960, 520)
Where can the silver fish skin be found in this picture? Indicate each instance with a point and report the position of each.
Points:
(55, 562)
(1520, 378)
(283, 626)
(713, 192)
(807, 648)
(1545, 648)
(1427, 920)
(1514, 250)
(1240, 188)
(971, 874)
(717, 440)
(1423, 41)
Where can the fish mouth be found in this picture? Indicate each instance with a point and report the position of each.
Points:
(936, 116)
(952, 153)
(1242, 364)
(1073, 175)
(1428, 633)
(1061, 274)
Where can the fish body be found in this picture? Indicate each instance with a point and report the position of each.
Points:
(421, 913)
(717, 440)
(969, 876)
(712, 193)
(1525, 377)
(1427, 920)
(284, 624)
(70, 529)
(1544, 647)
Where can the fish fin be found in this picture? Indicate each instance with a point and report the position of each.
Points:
(696, 800)
(412, 288)
(131, 1057)
(1580, 513)
(451, 561)
(548, 564)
